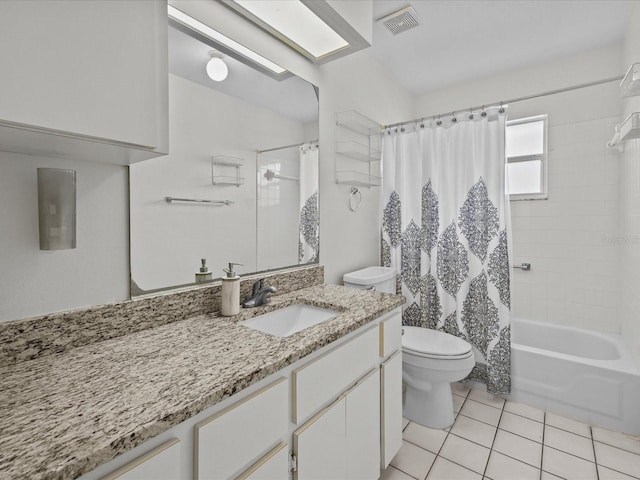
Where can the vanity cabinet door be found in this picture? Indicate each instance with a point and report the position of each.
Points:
(391, 407)
(229, 441)
(161, 463)
(320, 444)
(273, 466)
(363, 428)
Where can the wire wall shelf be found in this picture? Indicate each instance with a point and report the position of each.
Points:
(358, 150)
(222, 173)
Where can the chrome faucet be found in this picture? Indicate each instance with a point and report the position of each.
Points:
(260, 295)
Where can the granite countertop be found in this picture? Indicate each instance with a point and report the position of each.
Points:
(62, 415)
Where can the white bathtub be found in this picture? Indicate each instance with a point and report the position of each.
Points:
(585, 375)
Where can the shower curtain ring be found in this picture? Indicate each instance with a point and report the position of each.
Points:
(501, 108)
(470, 114)
(439, 122)
(453, 117)
(484, 112)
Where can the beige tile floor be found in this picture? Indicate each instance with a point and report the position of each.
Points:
(494, 439)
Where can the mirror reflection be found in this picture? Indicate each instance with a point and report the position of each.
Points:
(242, 174)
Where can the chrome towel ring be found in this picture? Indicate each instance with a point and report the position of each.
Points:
(355, 199)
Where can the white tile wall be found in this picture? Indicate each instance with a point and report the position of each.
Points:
(630, 246)
(570, 239)
(630, 208)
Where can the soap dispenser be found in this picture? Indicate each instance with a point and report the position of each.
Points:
(204, 275)
(230, 302)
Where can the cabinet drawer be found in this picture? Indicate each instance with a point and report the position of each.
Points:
(391, 334)
(234, 437)
(273, 466)
(326, 377)
(161, 463)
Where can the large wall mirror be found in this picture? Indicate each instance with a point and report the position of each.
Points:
(242, 174)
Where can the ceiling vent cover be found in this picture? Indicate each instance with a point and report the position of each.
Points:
(401, 21)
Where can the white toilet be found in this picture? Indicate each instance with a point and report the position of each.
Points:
(379, 279)
(431, 361)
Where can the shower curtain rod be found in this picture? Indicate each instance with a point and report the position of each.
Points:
(506, 102)
(286, 146)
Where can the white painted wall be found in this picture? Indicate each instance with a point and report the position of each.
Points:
(630, 207)
(168, 240)
(35, 282)
(570, 238)
(350, 240)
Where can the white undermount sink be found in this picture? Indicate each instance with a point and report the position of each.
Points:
(289, 320)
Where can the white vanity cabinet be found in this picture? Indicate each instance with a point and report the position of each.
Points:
(333, 415)
(84, 80)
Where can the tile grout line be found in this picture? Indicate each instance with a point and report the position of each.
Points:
(524, 416)
(595, 458)
(484, 472)
(482, 421)
(521, 436)
(569, 431)
(615, 446)
(544, 428)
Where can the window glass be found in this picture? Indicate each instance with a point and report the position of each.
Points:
(525, 139)
(526, 158)
(525, 177)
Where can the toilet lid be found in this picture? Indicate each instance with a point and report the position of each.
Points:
(425, 341)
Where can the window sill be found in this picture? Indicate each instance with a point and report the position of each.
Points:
(528, 196)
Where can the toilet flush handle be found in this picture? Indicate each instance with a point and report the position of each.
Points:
(372, 288)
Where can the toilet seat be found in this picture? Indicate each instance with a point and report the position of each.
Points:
(429, 343)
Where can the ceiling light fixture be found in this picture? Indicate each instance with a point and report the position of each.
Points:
(296, 23)
(217, 37)
(217, 70)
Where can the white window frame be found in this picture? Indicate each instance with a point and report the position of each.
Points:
(543, 157)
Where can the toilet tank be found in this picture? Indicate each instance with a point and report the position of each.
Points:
(380, 279)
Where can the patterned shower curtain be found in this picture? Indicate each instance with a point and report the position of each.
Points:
(309, 238)
(444, 230)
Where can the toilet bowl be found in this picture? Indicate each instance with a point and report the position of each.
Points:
(431, 361)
